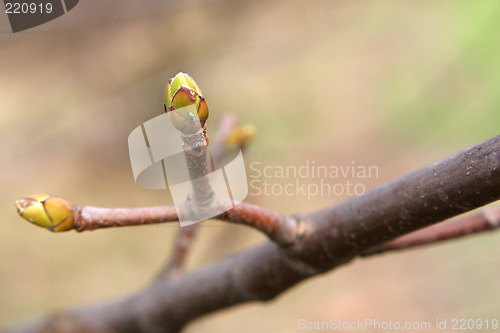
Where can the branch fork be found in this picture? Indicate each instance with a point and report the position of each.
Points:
(398, 215)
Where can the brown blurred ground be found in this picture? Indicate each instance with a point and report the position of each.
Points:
(392, 84)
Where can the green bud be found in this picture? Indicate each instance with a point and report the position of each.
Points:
(43, 210)
(185, 105)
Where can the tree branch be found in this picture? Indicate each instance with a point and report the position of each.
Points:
(91, 218)
(329, 238)
(186, 235)
(278, 227)
(485, 220)
(452, 186)
(182, 244)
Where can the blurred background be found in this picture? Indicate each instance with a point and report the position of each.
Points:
(397, 85)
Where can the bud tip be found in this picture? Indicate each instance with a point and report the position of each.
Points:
(52, 213)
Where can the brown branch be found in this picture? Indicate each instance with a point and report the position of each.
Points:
(195, 151)
(182, 244)
(186, 235)
(330, 237)
(485, 220)
(91, 218)
(278, 227)
(452, 186)
(266, 221)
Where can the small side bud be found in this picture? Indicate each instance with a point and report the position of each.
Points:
(52, 213)
(241, 135)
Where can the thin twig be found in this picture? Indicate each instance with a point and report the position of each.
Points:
(485, 220)
(276, 226)
(195, 151)
(280, 228)
(91, 218)
(182, 244)
(186, 235)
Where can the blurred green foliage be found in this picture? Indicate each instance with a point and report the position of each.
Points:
(458, 99)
